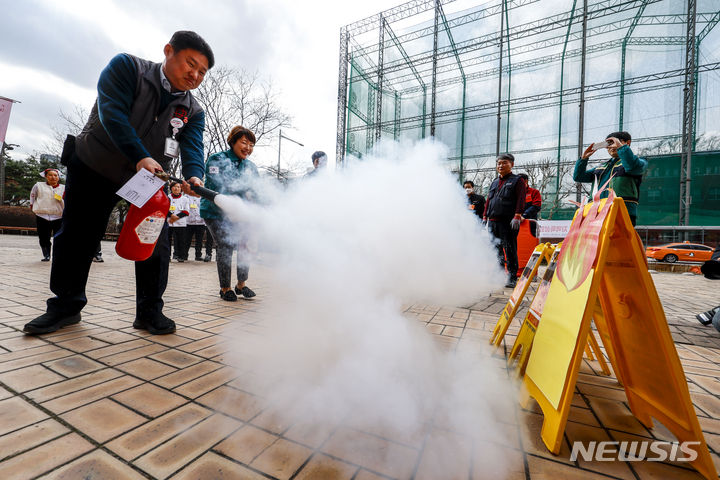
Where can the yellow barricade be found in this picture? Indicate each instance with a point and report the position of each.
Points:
(541, 251)
(523, 342)
(603, 259)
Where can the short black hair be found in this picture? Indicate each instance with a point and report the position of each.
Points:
(524, 176)
(506, 156)
(470, 182)
(183, 39)
(624, 136)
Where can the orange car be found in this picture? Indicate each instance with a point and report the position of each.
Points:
(685, 251)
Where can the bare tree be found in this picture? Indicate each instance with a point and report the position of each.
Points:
(236, 97)
(543, 176)
(69, 123)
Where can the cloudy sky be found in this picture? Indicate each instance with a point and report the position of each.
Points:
(51, 53)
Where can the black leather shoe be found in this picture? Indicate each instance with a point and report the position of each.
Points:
(157, 325)
(46, 258)
(50, 322)
(245, 292)
(228, 296)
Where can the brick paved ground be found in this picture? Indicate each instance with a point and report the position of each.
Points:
(100, 400)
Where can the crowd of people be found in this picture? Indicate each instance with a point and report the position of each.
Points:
(511, 200)
(145, 117)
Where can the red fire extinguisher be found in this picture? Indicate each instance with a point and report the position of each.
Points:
(142, 228)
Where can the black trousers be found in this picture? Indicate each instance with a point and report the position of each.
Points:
(89, 200)
(228, 239)
(506, 245)
(178, 240)
(45, 230)
(197, 232)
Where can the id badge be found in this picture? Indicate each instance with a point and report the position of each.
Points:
(172, 148)
(57, 197)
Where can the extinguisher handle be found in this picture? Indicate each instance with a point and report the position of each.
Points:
(204, 192)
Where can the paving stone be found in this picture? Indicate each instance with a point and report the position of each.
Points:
(45, 457)
(154, 433)
(103, 420)
(29, 437)
(16, 413)
(165, 409)
(74, 365)
(373, 453)
(29, 378)
(281, 459)
(322, 467)
(72, 385)
(177, 452)
(214, 467)
(150, 400)
(232, 402)
(97, 465)
(89, 395)
(246, 444)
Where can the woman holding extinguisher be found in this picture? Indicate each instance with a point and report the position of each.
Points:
(47, 201)
(231, 173)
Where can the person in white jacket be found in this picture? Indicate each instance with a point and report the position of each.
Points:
(177, 218)
(196, 229)
(47, 201)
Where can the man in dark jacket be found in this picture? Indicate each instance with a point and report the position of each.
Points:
(476, 202)
(144, 117)
(503, 212)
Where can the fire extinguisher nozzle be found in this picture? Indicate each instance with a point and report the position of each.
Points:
(204, 192)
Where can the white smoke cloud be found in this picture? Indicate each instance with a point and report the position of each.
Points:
(351, 248)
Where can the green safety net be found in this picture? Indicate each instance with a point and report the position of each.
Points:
(527, 102)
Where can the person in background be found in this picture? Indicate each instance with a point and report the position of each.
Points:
(47, 203)
(503, 213)
(208, 245)
(144, 117)
(319, 161)
(624, 170)
(97, 258)
(533, 204)
(231, 173)
(177, 218)
(196, 229)
(476, 202)
(711, 270)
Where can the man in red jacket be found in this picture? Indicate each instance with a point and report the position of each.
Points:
(533, 204)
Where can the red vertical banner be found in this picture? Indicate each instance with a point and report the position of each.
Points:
(5, 107)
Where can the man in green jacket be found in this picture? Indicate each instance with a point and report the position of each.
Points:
(624, 169)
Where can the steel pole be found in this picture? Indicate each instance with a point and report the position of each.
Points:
(279, 147)
(2, 174)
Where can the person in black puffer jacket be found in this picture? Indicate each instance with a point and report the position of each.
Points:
(503, 214)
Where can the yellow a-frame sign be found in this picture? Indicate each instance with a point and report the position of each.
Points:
(542, 252)
(603, 259)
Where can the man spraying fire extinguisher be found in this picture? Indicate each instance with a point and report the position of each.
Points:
(144, 117)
